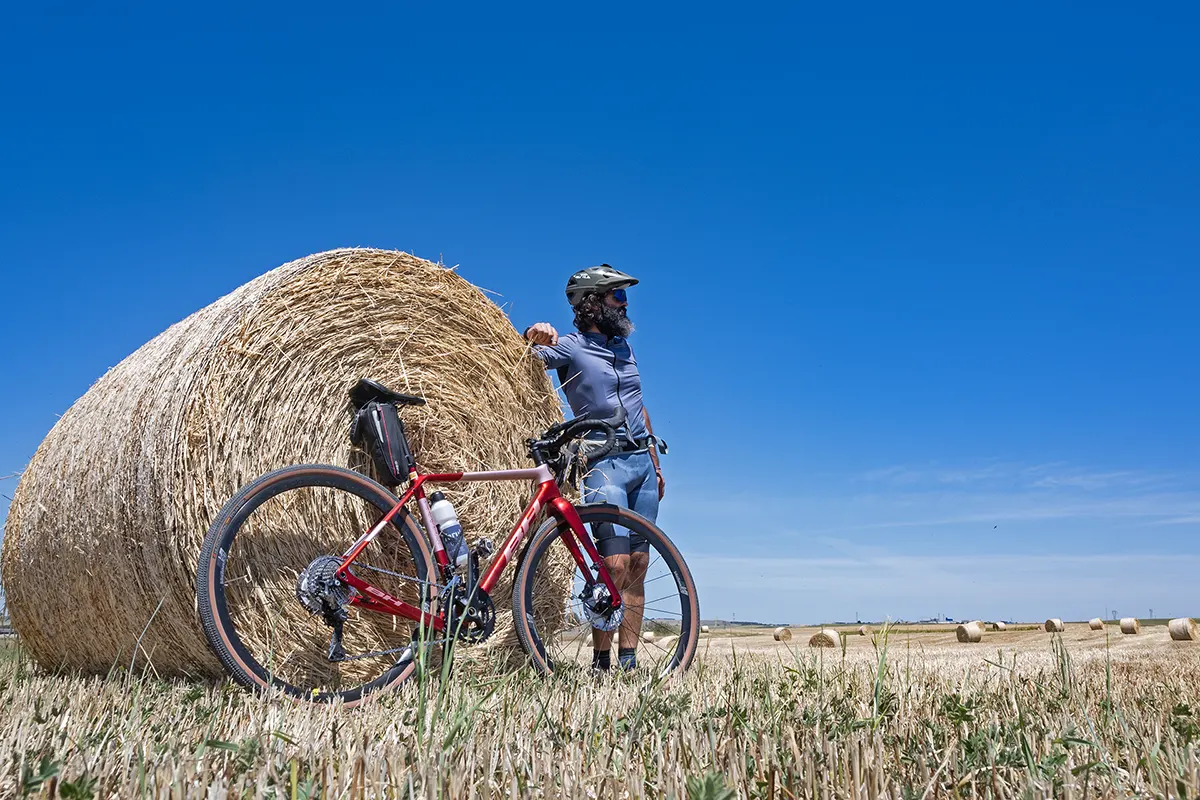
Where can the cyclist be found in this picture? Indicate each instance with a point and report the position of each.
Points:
(598, 372)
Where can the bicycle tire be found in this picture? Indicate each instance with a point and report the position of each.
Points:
(221, 631)
(524, 593)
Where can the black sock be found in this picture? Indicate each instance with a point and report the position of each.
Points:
(627, 656)
(601, 659)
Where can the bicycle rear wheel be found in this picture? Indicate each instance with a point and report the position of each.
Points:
(267, 562)
(555, 626)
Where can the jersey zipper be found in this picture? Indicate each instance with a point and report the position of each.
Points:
(620, 402)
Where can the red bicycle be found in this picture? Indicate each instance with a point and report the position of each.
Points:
(281, 610)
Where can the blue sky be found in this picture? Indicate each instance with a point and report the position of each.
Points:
(918, 285)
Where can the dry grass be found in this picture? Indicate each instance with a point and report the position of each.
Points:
(890, 716)
(107, 522)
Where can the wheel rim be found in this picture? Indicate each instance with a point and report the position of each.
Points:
(271, 540)
(565, 638)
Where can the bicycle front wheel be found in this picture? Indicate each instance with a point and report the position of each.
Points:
(660, 610)
(267, 594)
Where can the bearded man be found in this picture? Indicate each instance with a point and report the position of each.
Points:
(599, 374)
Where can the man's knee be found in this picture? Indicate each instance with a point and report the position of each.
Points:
(639, 562)
(618, 568)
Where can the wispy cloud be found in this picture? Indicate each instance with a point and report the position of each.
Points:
(1055, 475)
(987, 539)
(883, 584)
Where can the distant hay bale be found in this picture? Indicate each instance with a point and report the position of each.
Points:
(110, 513)
(826, 637)
(783, 634)
(1184, 629)
(1130, 625)
(704, 629)
(1054, 625)
(648, 637)
(998, 626)
(863, 630)
(970, 632)
(1096, 624)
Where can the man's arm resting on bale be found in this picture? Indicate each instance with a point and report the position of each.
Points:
(553, 352)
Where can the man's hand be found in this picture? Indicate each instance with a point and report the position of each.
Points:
(662, 486)
(542, 333)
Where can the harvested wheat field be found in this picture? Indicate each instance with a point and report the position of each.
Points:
(902, 713)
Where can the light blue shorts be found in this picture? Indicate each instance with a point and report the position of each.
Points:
(627, 480)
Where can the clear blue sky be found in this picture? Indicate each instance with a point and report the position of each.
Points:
(919, 284)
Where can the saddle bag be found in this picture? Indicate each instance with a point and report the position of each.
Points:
(377, 428)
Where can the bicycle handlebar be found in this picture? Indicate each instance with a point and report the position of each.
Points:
(558, 435)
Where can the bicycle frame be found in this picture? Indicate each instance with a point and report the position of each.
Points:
(576, 539)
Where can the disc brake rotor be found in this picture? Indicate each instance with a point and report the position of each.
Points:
(596, 602)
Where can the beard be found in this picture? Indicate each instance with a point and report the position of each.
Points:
(614, 322)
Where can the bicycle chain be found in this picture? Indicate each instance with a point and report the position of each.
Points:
(378, 653)
(356, 565)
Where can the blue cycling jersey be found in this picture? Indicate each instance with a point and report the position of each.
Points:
(598, 375)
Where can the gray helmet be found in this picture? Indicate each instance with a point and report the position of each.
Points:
(596, 279)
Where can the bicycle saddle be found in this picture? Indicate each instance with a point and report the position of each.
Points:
(367, 390)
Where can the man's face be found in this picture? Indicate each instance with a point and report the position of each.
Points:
(613, 321)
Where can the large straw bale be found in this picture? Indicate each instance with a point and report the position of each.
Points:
(704, 629)
(998, 626)
(1183, 629)
(110, 513)
(1054, 625)
(970, 632)
(863, 630)
(1130, 625)
(783, 634)
(826, 637)
(1096, 624)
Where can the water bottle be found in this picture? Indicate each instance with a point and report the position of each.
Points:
(449, 528)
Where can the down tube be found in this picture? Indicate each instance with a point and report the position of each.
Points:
(546, 491)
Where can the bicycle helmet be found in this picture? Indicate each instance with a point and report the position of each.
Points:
(596, 279)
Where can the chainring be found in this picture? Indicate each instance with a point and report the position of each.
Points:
(475, 621)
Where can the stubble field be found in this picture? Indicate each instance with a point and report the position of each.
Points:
(909, 713)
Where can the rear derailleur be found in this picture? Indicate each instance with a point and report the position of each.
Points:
(321, 592)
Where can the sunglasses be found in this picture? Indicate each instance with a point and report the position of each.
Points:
(620, 296)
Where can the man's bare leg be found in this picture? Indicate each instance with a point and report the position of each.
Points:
(633, 597)
(618, 568)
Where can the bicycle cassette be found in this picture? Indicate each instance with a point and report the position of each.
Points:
(598, 610)
(318, 588)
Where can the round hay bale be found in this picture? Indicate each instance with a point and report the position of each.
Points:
(704, 629)
(1130, 625)
(863, 630)
(999, 626)
(648, 637)
(110, 513)
(1096, 624)
(783, 634)
(971, 632)
(826, 637)
(1184, 629)
(1054, 625)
